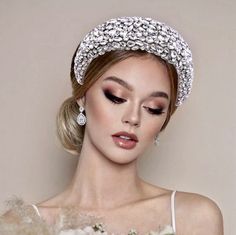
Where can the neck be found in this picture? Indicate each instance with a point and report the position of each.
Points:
(100, 183)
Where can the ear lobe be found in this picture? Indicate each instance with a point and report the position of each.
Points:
(81, 101)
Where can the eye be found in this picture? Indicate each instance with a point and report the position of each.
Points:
(112, 98)
(155, 111)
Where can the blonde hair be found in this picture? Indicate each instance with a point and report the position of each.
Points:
(69, 132)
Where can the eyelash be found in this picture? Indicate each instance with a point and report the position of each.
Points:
(117, 100)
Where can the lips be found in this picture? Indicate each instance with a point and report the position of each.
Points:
(125, 140)
(127, 135)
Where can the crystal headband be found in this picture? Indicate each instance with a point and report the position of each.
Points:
(133, 33)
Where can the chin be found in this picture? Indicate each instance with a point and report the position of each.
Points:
(123, 160)
(124, 156)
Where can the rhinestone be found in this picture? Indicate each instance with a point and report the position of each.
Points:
(132, 36)
(173, 54)
(151, 31)
(96, 33)
(135, 48)
(142, 38)
(145, 33)
(137, 24)
(130, 28)
(149, 40)
(99, 39)
(81, 119)
(159, 49)
(171, 46)
(161, 38)
(103, 42)
(116, 45)
(123, 33)
(139, 34)
(133, 33)
(122, 44)
(139, 43)
(118, 39)
(153, 47)
(100, 51)
(112, 32)
(130, 43)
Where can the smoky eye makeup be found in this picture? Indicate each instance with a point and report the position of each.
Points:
(118, 100)
(113, 98)
(156, 111)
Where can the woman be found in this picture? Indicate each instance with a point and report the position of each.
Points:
(128, 76)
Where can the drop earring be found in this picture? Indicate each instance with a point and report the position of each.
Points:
(157, 140)
(81, 118)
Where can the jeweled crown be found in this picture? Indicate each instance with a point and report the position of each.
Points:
(133, 33)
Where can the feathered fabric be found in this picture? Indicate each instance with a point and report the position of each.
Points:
(22, 219)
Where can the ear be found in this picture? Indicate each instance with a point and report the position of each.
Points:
(81, 101)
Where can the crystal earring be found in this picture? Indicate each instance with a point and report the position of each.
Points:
(157, 140)
(81, 119)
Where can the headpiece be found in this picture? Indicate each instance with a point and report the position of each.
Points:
(133, 33)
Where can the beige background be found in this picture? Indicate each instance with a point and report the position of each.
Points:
(37, 39)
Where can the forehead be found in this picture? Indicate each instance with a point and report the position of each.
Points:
(142, 73)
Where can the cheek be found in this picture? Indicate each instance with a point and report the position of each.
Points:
(153, 127)
(99, 112)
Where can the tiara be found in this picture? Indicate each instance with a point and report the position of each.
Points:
(133, 33)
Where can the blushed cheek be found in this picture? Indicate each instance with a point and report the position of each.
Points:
(155, 128)
(151, 134)
(99, 112)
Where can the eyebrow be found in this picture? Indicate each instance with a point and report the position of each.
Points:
(130, 88)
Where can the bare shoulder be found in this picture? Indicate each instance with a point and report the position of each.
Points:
(203, 214)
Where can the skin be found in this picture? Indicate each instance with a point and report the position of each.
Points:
(106, 181)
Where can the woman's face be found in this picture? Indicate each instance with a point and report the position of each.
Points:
(121, 101)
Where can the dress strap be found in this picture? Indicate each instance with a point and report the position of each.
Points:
(173, 210)
(36, 209)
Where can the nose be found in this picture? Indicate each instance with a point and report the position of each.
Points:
(132, 116)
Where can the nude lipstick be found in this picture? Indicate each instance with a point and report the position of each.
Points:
(125, 140)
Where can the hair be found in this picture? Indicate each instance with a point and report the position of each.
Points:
(69, 132)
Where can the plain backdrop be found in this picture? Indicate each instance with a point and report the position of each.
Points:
(37, 40)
